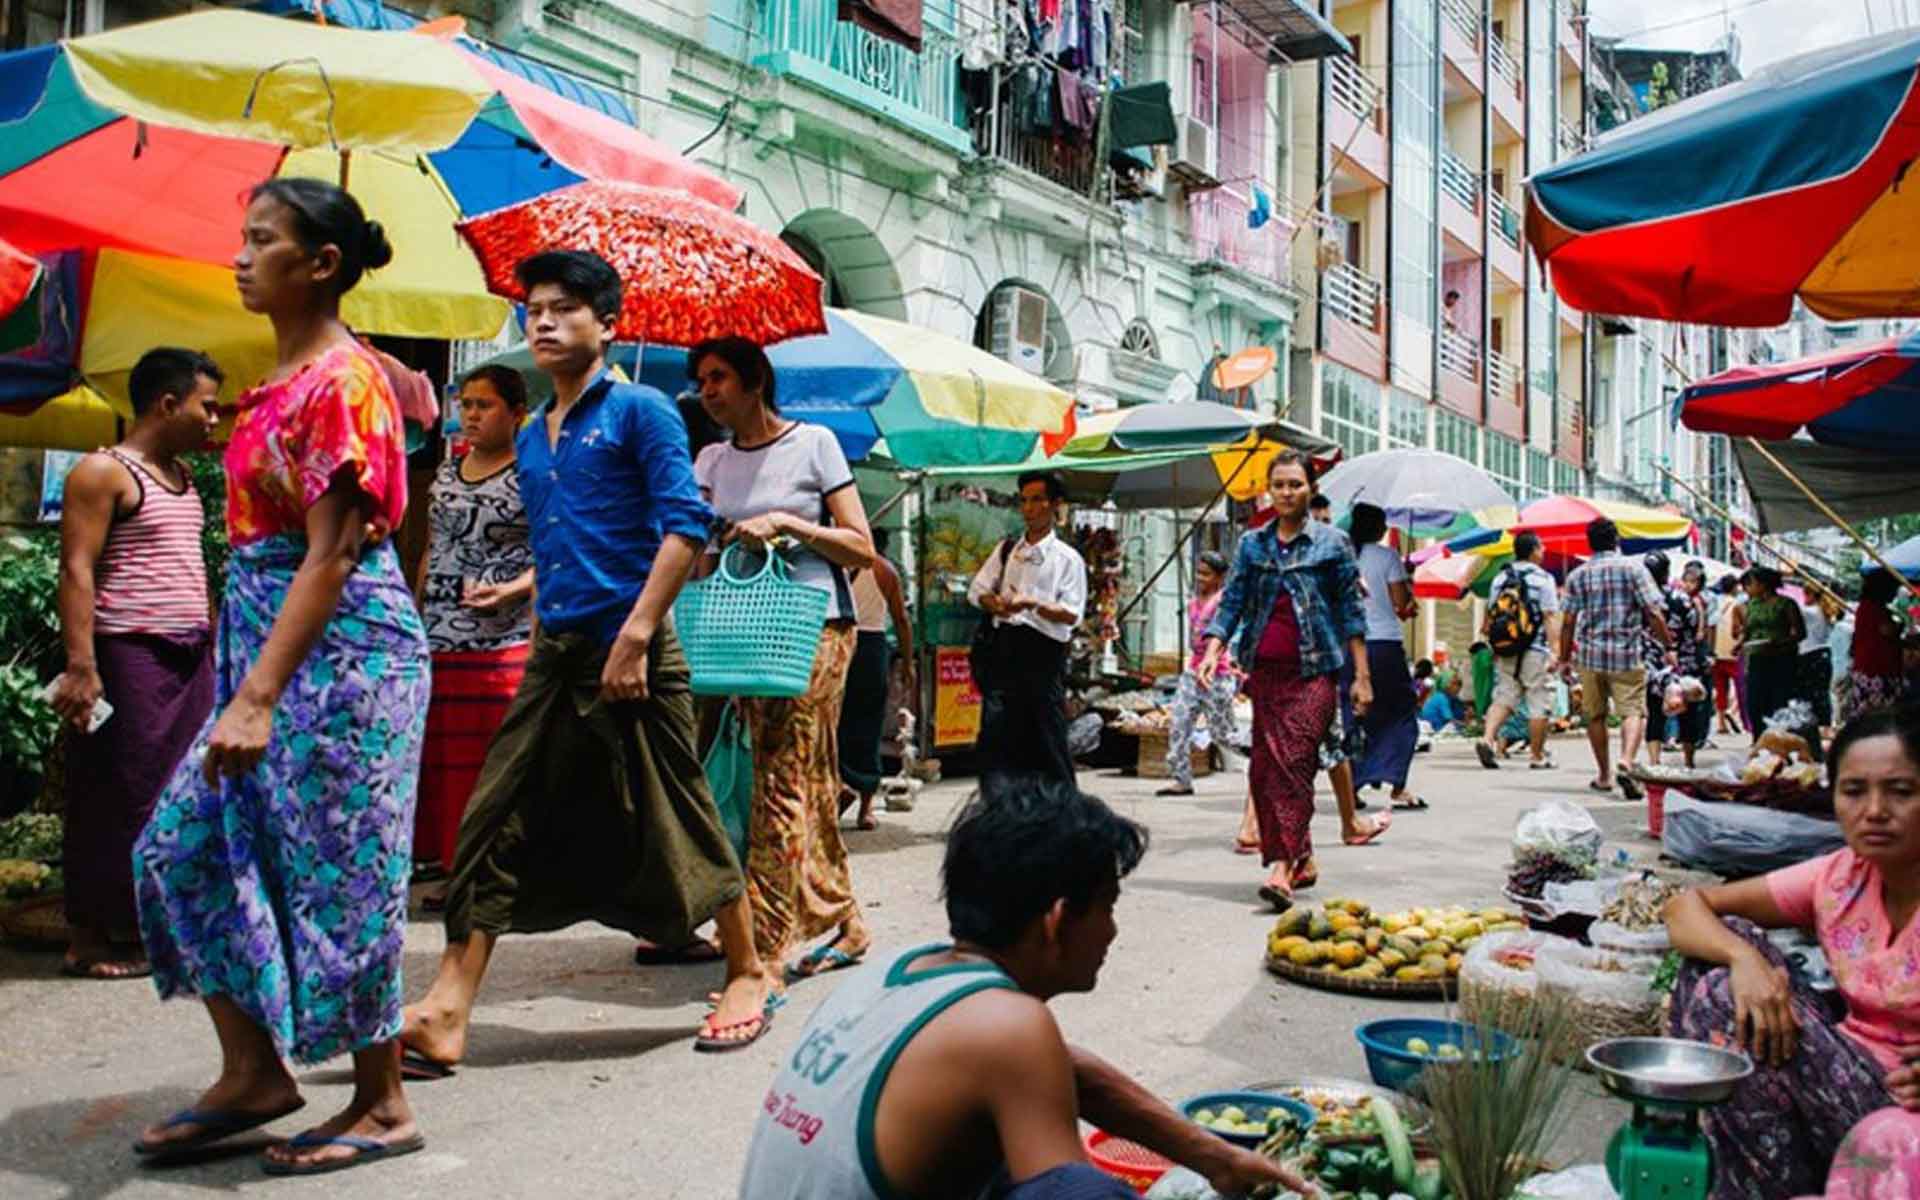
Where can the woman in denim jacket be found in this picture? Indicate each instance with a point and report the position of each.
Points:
(1293, 601)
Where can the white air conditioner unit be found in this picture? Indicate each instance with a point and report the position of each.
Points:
(1195, 155)
(1018, 329)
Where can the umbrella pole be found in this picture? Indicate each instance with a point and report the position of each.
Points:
(1866, 547)
(1180, 546)
(912, 480)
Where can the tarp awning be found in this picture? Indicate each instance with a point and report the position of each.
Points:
(1296, 30)
(1858, 484)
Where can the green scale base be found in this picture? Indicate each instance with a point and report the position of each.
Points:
(1660, 1155)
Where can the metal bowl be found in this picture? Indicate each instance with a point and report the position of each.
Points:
(1669, 1069)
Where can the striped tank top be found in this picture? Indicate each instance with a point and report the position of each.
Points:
(151, 577)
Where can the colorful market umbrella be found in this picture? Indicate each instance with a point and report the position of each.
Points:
(1167, 426)
(19, 273)
(692, 270)
(110, 144)
(1864, 397)
(1456, 576)
(1722, 209)
(1561, 522)
(1426, 492)
(1904, 558)
(935, 400)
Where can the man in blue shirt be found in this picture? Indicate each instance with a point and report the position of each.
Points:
(592, 804)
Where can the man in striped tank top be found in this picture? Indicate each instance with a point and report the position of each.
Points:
(137, 626)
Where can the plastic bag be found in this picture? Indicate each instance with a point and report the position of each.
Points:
(1743, 839)
(1610, 995)
(1618, 939)
(1587, 1182)
(1181, 1184)
(1498, 980)
(729, 770)
(1560, 828)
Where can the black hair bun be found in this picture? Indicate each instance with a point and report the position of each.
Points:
(378, 250)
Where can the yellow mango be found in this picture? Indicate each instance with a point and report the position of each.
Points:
(1375, 938)
(1411, 974)
(1282, 945)
(1348, 954)
(1352, 933)
(1417, 933)
(1292, 922)
(1408, 948)
(1319, 928)
(1395, 922)
(1391, 958)
(1453, 963)
(1370, 969)
(1506, 927)
(1341, 919)
(1307, 954)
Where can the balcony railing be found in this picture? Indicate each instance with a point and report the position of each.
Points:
(1506, 222)
(1462, 17)
(1503, 63)
(1504, 376)
(1352, 295)
(1219, 234)
(1572, 141)
(1353, 89)
(1458, 180)
(1460, 354)
(883, 71)
(1067, 162)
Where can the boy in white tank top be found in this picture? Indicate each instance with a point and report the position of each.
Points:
(940, 1072)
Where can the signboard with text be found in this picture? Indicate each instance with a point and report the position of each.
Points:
(956, 702)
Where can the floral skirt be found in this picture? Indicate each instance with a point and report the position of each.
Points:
(1291, 717)
(798, 879)
(1781, 1130)
(285, 890)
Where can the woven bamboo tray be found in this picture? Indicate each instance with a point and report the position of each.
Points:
(1400, 989)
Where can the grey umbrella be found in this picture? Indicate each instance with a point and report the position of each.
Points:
(1424, 491)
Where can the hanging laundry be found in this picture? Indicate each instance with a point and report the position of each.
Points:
(1100, 37)
(1079, 104)
(895, 20)
(1143, 115)
(1261, 210)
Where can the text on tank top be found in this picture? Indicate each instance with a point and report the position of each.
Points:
(151, 576)
(814, 1137)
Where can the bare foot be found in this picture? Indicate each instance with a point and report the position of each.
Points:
(268, 1094)
(388, 1122)
(434, 1033)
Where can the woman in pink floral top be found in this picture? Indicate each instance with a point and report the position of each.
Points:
(1815, 1077)
(272, 877)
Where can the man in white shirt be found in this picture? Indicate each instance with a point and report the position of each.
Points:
(1034, 589)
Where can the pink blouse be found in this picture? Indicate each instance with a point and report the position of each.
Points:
(335, 414)
(1876, 967)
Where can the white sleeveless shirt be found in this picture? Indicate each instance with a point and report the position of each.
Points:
(815, 1136)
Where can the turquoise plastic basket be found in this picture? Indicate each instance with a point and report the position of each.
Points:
(750, 636)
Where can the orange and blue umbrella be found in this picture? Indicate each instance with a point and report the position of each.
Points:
(1866, 397)
(1722, 209)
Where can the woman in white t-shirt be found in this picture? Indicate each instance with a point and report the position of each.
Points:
(786, 485)
(1392, 724)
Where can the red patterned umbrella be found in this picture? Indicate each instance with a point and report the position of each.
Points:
(19, 271)
(692, 270)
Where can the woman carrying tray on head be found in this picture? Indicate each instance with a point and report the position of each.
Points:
(785, 484)
(1814, 1079)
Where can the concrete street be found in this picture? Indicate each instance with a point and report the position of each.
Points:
(581, 1081)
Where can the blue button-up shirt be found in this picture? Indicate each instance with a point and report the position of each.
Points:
(1319, 572)
(601, 498)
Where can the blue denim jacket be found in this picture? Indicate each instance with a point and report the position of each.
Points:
(1318, 570)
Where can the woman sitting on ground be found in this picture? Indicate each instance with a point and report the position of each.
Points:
(1814, 1078)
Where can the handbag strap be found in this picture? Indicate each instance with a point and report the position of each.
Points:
(1006, 551)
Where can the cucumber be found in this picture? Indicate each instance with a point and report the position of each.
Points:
(1393, 1135)
(1429, 1184)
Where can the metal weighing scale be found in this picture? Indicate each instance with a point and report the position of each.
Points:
(1661, 1154)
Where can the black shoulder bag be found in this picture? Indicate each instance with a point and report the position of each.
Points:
(980, 653)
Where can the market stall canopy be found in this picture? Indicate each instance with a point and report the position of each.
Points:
(1904, 558)
(1561, 522)
(1857, 484)
(1191, 425)
(934, 399)
(1721, 209)
(80, 420)
(689, 271)
(1865, 396)
(1427, 492)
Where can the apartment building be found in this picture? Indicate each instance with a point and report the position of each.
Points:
(1428, 324)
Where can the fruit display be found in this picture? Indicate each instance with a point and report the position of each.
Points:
(1347, 939)
(34, 837)
(20, 878)
(1234, 1119)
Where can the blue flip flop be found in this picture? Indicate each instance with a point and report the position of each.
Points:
(215, 1125)
(365, 1150)
(821, 960)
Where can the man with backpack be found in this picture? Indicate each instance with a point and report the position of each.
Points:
(1524, 602)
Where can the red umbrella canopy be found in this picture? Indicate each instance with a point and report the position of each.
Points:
(19, 271)
(691, 270)
(1860, 396)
